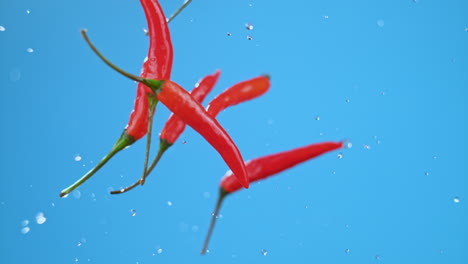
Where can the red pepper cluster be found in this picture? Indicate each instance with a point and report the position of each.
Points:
(155, 84)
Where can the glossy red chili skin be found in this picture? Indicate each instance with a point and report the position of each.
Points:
(238, 93)
(174, 125)
(263, 167)
(191, 112)
(157, 65)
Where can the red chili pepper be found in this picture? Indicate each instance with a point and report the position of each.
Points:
(192, 113)
(158, 65)
(238, 93)
(263, 167)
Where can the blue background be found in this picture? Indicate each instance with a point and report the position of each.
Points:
(389, 75)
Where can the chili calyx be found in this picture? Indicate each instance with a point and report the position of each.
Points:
(181, 103)
(264, 167)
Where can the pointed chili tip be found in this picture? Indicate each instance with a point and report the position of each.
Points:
(62, 194)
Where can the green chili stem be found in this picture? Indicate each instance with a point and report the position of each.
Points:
(124, 141)
(214, 216)
(182, 7)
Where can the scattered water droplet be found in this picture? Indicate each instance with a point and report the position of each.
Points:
(349, 144)
(249, 26)
(2, 28)
(53, 204)
(78, 244)
(184, 142)
(145, 31)
(77, 194)
(366, 146)
(159, 251)
(340, 155)
(249, 37)
(40, 218)
(28, 12)
(77, 157)
(317, 118)
(229, 34)
(325, 16)
(132, 212)
(380, 23)
(347, 251)
(435, 157)
(169, 203)
(466, 29)
(76, 260)
(347, 100)
(29, 50)
(377, 257)
(25, 230)
(456, 199)
(264, 252)
(426, 173)
(25, 222)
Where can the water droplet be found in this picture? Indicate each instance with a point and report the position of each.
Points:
(249, 37)
(2, 28)
(229, 34)
(264, 252)
(365, 146)
(340, 155)
(317, 118)
(159, 251)
(435, 157)
(249, 26)
(169, 203)
(325, 16)
(426, 173)
(25, 230)
(466, 29)
(347, 251)
(347, 100)
(132, 212)
(145, 31)
(416, 1)
(29, 50)
(53, 204)
(25, 222)
(77, 194)
(349, 144)
(40, 218)
(380, 23)
(377, 257)
(456, 199)
(184, 142)
(76, 260)
(78, 244)
(28, 12)
(77, 157)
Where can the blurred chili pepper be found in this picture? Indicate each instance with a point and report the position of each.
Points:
(266, 166)
(238, 93)
(182, 104)
(158, 65)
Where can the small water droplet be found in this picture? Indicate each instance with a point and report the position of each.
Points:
(25, 222)
(2, 28)
(435, 157)
(76, 260)
(382, 93)
(145, 31)
(426, 173)
(347, 100)
(249, 26)
(349, 144)
(40, 218)
(77, 194)
(132, 212)
(366, 146)
(325, 16)
(28, 12)
(78, 244)
(53, 204)
(25, 230)
(466, 29)
(229, 34)
(264, 252)
(169, 203)
(249, 37)
(159, 251)
(340, 155)
(347, 251)
(380, 23)
(317, 118)
(377, 257)
(184, 142)
(456, 199)
(77, 157)
(29, 50)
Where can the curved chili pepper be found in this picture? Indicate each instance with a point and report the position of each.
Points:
(158, 65)
(264, 167)
(182, 104)
(238, 93)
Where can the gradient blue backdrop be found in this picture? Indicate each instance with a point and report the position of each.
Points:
(390, 76)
